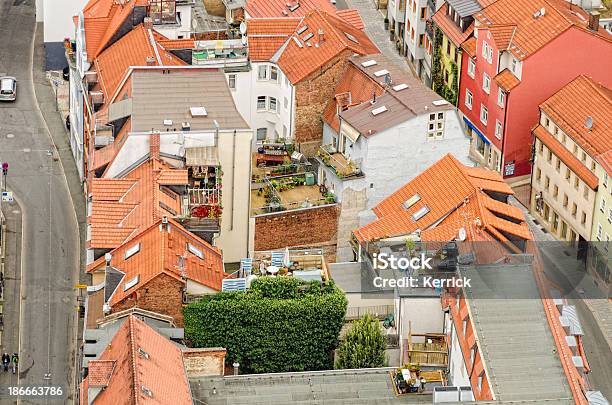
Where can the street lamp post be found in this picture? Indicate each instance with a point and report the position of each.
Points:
(5, 167)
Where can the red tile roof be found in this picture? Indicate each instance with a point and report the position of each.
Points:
(173, 44)
(570, 107)
(266, 35)
(449, 28)
(144, 361)
(281, 8)
(506, 80)
(469, 46)
(514, 27)
(121, 208)
(160, 251)
(298, 60)
(351, 16)
(100, 372)
(444, 188)
(133, 49)
(605, 160)
(566, 156)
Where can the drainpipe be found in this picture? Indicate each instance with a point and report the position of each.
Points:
(293, 107)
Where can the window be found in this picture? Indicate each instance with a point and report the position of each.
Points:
(262, 72)
(435, 128)
(261, 103)
(484, 114)
(131, 283)
(568, 173)
(558, 165)
(274, 73)
(262, 134)
(565, 200)
(498, 129)
(592, 165)
(514, 65)
(448, 48)
(538, 174)
(583, 218)
(464, 326)
(605, 180)
(231, 79)
(549, 157)
(423, 13)
(541, 147)
(486, 83)
(546, 122)
(583, 157)
(585, 192)
(485, 48)
(473, 355)
(132, 251)
(195, 251)
(555, 191)
(422, 40)
(602, 205)
(574, 210)
(480, 378)
(546, 182)
(610, 215)
(471, 67)
(576, 182)
(286, 102)
(599, 230)
(501, 98)
(273, 104)
(468, 98)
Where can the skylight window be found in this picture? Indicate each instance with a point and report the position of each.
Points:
(411, 201)
(381, 73)
(132, 251)
(379, 110)
(351, 38)
(308, 36)
(131, 283)
(297, 41)
(400, 87)
(420, 213)
(295, 6)
(302, 29)
(439, 102)
(195, 251)
(368, 63)
(198, 111)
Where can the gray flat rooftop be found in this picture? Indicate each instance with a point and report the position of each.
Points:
(514, 335)
(337, 387)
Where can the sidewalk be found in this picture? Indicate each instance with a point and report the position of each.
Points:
(374, 21)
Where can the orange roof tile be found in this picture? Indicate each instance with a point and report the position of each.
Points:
(570, 107)
(351, 16)
(123, 207)
(469, 46)
(159, 370)
(267, 35)
(173, 177)
(133, 49)
(298, 60)
(442, 189)
(566, 156)
(100, 372)
(605, 160)
(279, 8)
(532, 33)
(506, 80)
(449, 28)
(173, 44)
(160, 253)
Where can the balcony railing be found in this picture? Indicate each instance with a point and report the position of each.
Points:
(343, 167)
(224, 53)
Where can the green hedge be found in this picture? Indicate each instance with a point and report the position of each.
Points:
(363, 346)
(279, 324)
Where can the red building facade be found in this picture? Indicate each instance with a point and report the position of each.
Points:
(515, 61)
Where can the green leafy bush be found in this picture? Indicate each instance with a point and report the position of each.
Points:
(279, 324)
(363, 346)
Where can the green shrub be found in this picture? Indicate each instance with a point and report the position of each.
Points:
(280, 324)
(363, 346)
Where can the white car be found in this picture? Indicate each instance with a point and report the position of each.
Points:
(8, 88)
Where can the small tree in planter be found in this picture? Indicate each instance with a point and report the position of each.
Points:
(363, 346)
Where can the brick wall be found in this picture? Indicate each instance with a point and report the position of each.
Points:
(205, 361)
(312, 95)
(163, 295)
(301, 228)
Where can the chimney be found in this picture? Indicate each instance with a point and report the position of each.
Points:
(594, 20)
(154, 146)
(148, 23)
(321, 36)
(150, 61)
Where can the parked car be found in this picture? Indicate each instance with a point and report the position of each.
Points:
(8, 88)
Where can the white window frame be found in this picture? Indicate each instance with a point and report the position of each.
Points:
(262, 69)
(471, 68)
(195, 251)
(485, 46)
(501, 97)
(435, 126)
(469, 96)
(498, 129)
(599, 231)
(605, 180)
(602, 205)
(132, 251)
(274, 72)
(514, 65)
(265, 134)
(265, 103)
(486, 83)
(486, 114)
(232, 78)
(273, 100)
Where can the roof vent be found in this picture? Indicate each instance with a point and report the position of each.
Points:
(186, 126)
(150, 60)
(147, 391)
(302, 29)
(379, 110)
(167, 123)
(588, 124)
(308, 36)
(198, 111)
(381, 73)
(142, 353)
(439, 103)
(368, 63)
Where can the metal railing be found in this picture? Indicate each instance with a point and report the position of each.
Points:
(342, 167)
(199, 196)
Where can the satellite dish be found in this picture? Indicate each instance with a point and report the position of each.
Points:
(243, 28)
(462, 234)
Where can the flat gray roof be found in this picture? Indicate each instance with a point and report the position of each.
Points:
(517, 345)
(159, 96)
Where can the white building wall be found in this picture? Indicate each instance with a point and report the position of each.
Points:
(459, 376)
(183, 30)
(249, 87)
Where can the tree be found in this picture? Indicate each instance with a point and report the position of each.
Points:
(363, 346)
(280, 324)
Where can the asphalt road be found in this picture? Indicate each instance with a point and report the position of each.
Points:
(50, 243)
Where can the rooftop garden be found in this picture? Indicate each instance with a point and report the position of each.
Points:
(343, 167)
